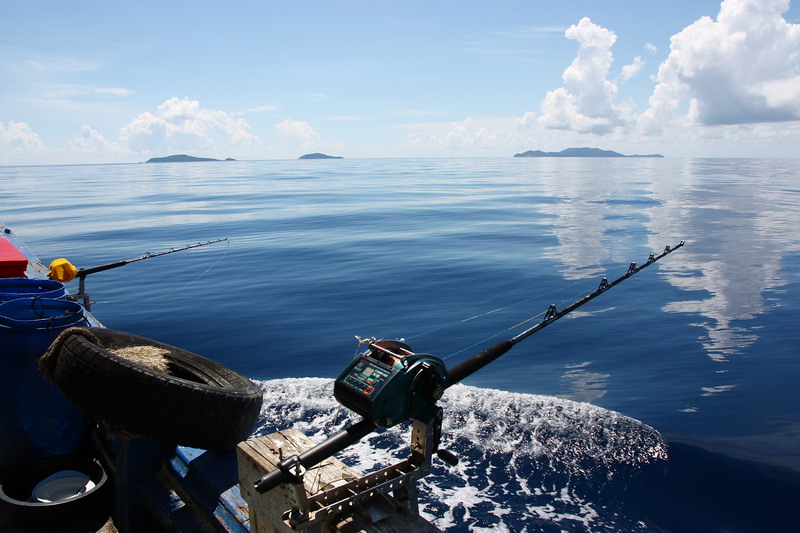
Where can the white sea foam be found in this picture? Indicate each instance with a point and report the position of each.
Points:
(524, 458)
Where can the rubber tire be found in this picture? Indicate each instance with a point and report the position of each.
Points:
(93, 505)
(200, 403)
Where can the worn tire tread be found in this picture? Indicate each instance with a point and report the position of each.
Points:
(215, 410)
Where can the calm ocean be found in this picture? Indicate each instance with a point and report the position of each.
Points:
(702, 346)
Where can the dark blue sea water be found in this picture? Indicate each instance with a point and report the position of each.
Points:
(699, 351)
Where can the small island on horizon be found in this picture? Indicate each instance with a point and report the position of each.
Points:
(318, 155)
(580, 152)
(183, 158)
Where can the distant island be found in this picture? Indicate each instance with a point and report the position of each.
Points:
(580, 152)
(318, 155)
(183, 158)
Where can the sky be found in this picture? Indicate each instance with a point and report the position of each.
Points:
(86, 82)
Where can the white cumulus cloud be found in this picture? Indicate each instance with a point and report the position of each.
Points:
(295, 129)
(528, 119)
(468, 136)
(92, 142)
(19, 138)
(181, 125)
(465, 134)
(629, 71)
(297, 134)
(742, 68)
(586, 101)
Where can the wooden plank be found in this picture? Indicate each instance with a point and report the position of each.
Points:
(258, 456)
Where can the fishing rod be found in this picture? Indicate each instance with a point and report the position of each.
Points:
(390, 384)
(62, 270)
(476, 362)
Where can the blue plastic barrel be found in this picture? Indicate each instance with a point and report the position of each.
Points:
(35, 420)
(14, 288)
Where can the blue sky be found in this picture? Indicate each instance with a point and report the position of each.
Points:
(89, 82)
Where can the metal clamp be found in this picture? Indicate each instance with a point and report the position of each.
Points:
(368, 494)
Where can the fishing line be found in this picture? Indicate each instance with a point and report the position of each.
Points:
(553, 313)
(206, 271)
(515, 326)
(487, 313)
(190, 282)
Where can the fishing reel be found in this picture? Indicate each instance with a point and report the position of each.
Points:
(388, 384)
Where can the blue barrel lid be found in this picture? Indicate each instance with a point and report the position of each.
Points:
(40, 313)
(13, 288)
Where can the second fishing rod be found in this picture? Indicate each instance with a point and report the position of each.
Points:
(63, 271)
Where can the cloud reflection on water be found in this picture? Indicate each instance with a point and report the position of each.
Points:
(740, 219)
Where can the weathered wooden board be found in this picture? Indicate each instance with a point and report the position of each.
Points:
(258, 456)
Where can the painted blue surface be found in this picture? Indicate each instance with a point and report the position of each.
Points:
(13, 288)
(176, 488)
(210, 480)
(701, 346)
(35, 420)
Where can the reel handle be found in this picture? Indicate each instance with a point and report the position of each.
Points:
(447, 456)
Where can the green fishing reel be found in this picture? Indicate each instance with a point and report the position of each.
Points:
(389, 384)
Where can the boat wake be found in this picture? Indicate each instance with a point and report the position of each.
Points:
(527, 462)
